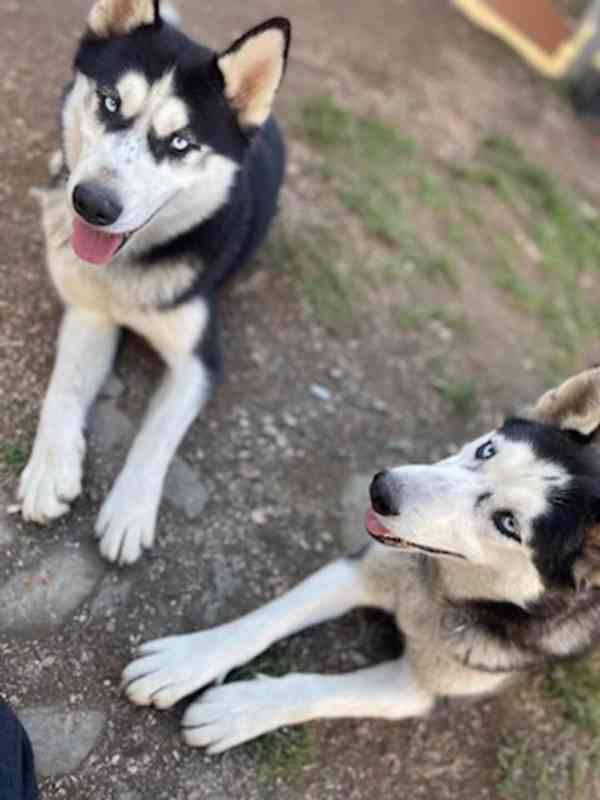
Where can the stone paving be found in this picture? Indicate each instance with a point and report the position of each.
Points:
(45, 594)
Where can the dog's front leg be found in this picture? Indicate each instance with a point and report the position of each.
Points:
(229, 715)
(52, 478)
(171, 668)
(127, 520)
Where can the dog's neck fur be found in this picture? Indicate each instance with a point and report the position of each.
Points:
(462, 580)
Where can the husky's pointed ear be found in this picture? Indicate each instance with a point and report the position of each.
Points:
(574, 405)
(252, 69)
(118, 17)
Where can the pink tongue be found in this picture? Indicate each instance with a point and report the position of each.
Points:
(373, 525)
(92, 245)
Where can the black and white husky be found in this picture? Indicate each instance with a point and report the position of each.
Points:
(489, 560)
(171, 165)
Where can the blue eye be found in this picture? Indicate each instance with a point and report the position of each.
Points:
(180, 144)
(486, 451)
(506, 524)
(110, 100)
(111, 104)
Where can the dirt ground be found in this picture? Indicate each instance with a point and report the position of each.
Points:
(275, 458)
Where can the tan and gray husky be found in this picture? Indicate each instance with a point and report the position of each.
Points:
(489, 560)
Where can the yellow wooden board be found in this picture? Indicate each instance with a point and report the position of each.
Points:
(552, 65)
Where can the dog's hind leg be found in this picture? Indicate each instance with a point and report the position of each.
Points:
(234, 713)
(52, 478)
(172, 668)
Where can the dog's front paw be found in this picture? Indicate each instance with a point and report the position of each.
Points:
(127, 523)
(52, 478)
(169, 669)
(229, 715)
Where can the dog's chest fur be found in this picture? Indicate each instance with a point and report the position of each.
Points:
(408, 586)
(133, 296)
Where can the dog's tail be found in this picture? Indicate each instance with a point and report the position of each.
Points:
(170, 14)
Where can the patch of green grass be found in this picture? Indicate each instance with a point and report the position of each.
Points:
(566, 240)
(378, 175)
(443, 266)
(334, 129)
(411, 318)
(577, 687)
(525, 773)
(283, 754)
(312, 258)
(461, 396)
(536, 768)
(13, 457)
(380, 211)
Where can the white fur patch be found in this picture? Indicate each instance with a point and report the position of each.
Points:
(171, 117)
(133, 90)
(252, 74)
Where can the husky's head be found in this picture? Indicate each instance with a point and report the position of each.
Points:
(155, 126)
(523, 500)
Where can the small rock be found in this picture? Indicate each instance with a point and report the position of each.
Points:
(289, 420)
(110, 427)
(113, 388)
(249, 473)
(111, 597)
(185, 490)
(320, 392)
(259, 516)
(62, 738)
(45, 594)
(399, 446)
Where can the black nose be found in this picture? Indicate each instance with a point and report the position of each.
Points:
(96, 204)
(385, 495)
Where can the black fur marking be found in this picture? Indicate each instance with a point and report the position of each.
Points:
(209, 348)
(572, 509)
(502, 637)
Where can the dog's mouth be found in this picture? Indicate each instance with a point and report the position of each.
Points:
(94, 245)
(382, 535)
